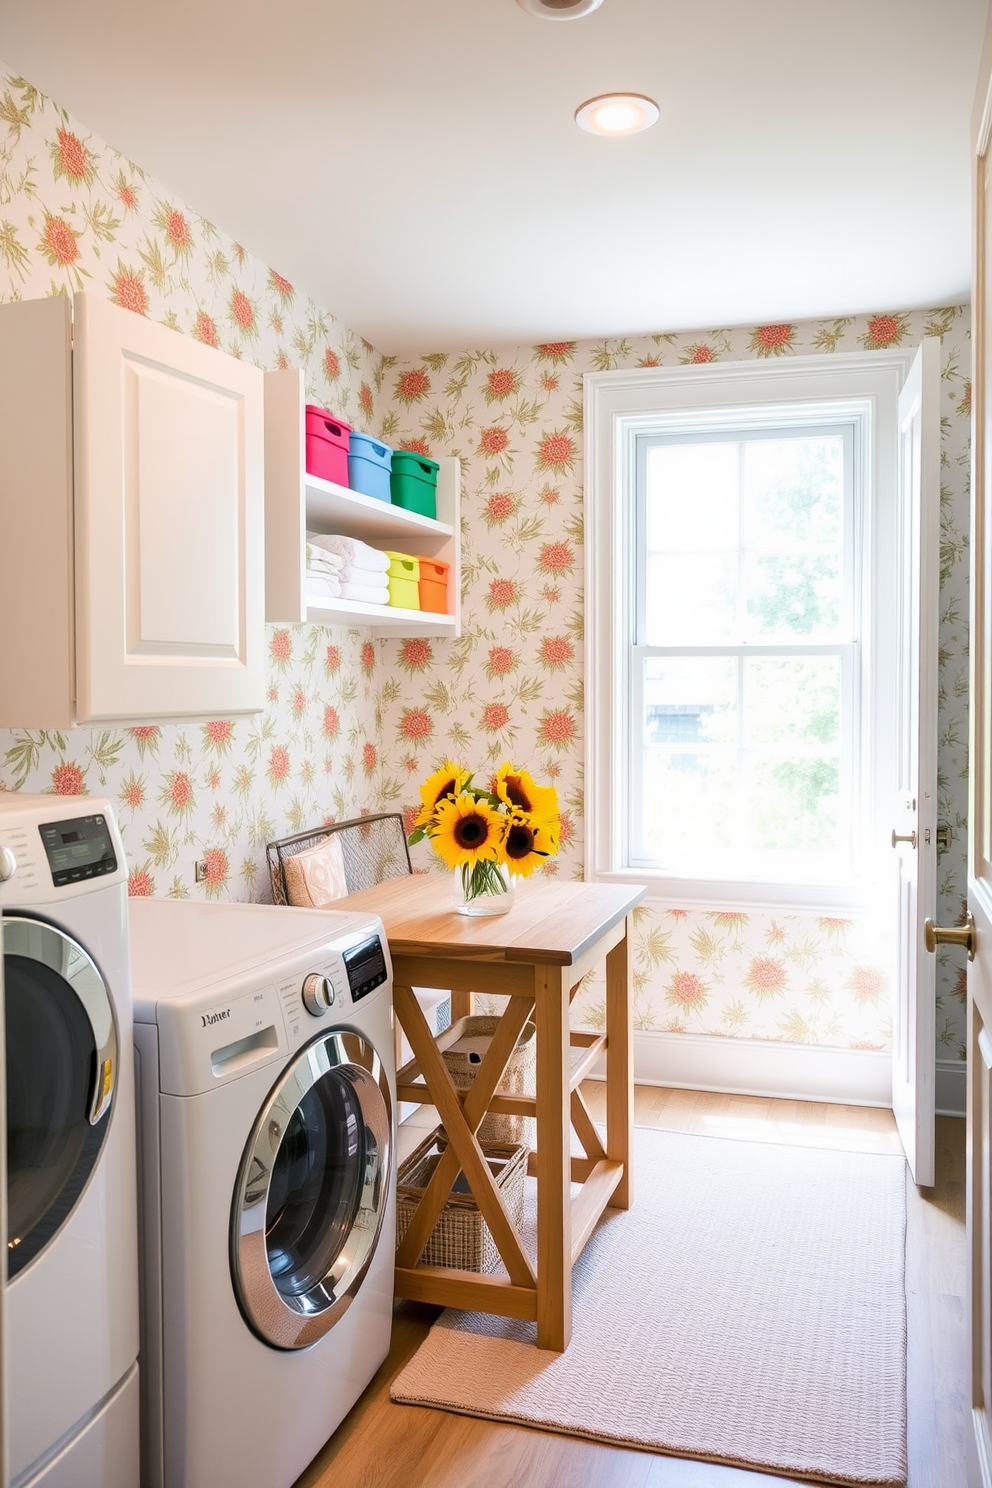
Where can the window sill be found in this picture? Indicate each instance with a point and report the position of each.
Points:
(729, 894)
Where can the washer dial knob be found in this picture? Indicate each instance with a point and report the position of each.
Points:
(318, 994)
(8, 864)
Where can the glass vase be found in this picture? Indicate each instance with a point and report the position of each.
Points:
(486, 889)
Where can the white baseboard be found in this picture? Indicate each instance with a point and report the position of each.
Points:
(856, 1077)
(951, 1087)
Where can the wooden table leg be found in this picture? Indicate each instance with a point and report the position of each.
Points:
(554, 1204)
(462, 1005)
(619, 1065)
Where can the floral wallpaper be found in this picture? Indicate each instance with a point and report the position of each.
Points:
(512, 685)
(353, 725)
(76, 214)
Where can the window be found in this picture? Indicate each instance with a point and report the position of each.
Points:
(745, 654)
(740, 532)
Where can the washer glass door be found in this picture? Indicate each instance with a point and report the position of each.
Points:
(61, 1069)
(311, 1191)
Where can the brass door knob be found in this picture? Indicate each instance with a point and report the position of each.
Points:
(958, 935)
(910, 837)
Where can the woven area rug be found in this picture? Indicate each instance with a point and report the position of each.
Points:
(749, 1309)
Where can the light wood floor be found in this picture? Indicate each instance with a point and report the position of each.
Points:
(382, 1445)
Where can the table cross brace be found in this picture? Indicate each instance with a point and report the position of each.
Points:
(461, 1121)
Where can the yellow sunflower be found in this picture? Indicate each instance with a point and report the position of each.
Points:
(467, 831)
(449, 780)
(517, 789)
(528, 841)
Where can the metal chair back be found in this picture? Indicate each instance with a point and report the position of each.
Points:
(374, 848)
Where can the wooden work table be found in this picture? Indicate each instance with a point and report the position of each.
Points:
(535, 955)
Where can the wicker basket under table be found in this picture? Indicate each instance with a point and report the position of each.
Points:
(461, 1237)
(464, 1056)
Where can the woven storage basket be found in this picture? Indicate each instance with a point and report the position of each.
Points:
(463, 1059)
(461, 1236)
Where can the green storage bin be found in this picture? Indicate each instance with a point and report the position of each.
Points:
(413, 483)
(403, 578)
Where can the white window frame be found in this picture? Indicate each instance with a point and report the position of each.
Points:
(618, 406)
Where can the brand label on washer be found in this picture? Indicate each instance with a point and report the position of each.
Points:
(216, 1015)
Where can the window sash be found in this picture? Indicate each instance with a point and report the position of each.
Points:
(776, 426)
(844, 642)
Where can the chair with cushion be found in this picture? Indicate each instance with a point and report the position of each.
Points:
(312, 869)
(315, 867)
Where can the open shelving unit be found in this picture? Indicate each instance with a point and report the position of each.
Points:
(297, 502)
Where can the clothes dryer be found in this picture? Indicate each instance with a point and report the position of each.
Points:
(72, 1297)
(266, 1100)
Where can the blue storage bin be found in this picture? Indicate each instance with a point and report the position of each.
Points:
(369, 466)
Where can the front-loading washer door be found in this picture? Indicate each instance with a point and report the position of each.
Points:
(61, 1066)
(312, 1190)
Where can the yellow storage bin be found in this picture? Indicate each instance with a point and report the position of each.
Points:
(404, 580)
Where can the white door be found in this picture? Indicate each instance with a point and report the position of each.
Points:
(169, 521)
(979, 1100)
(914, 832)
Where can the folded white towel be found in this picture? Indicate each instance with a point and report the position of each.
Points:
(352, 550)
(353, 573)
(318, 557)
(323, 586)
(366, 593)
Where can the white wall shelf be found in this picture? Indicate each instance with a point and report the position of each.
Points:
(297, 502)
(385, 620)
(329, 505)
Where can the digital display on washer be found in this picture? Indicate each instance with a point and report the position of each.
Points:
(78, 849)
(366, 967)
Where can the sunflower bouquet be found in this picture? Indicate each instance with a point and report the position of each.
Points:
(488, 835)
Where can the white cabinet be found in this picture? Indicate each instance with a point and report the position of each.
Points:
(297, 502)
(131, 520)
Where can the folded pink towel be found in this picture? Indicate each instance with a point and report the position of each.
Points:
(352, 550)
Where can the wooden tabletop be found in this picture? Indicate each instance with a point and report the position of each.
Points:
(551, 921)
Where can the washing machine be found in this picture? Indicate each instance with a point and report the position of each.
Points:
(72, 1296)
(268, 1188)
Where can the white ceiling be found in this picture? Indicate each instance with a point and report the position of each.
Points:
(414, 165)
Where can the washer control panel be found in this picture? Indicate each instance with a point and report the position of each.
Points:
(365, 965)
(51, 843)
(79, 848)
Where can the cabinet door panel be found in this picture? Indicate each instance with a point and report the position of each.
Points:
(181, 510)
(168, 507)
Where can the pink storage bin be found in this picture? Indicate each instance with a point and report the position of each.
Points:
(326, 445)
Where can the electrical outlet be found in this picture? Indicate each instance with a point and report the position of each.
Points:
(200, 870)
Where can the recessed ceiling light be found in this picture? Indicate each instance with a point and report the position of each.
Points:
(617, 113)
(559, 10)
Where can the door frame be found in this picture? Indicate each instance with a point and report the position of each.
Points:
(979, 1045)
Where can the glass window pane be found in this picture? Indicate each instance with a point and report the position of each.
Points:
(793, 595)
(794, 491)
(691, 599)
(689, 803)
(692, 496)
(690, 700)
(690, 756)
(792, 701)
(792, 803)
